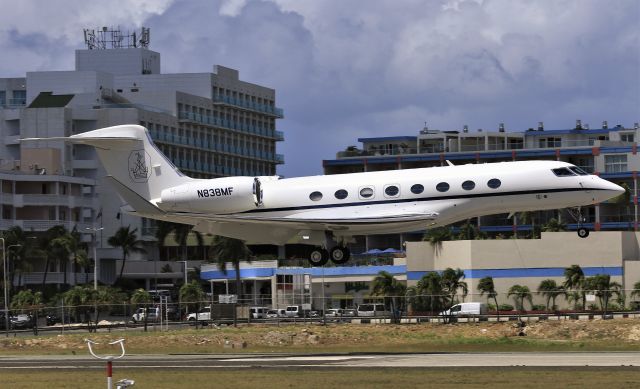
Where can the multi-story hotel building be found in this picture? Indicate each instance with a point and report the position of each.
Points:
(210, 124)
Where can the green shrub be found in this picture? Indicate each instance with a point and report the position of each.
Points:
(505, 307)
(538, 307)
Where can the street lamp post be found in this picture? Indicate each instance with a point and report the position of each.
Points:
(185, 272)
(94, 239)
(6, 294)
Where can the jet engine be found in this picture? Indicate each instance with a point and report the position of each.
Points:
(214, 196)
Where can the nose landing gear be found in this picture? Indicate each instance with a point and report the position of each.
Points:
(583, 232)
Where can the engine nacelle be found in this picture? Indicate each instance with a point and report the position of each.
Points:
(217, 196)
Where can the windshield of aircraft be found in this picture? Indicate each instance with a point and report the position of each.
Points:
(564, 172)
(578, 171)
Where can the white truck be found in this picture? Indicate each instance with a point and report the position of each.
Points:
(466, 309)
(203, 315)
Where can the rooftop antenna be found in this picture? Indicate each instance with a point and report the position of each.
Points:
(104, 38)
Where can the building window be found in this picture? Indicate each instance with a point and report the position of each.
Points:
(341, 194)
(616, 163)
(623, 137)
(366, 192)
(391, 191)
(468, 185)
(315, 196)
(494, 183)
(442, 187)
(549, 143)
(3, 98)
(417, 189)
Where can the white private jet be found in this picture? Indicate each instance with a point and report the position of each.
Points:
(327, 211)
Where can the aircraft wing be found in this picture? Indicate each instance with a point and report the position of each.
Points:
(257, 229)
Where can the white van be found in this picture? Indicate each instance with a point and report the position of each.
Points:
(368, 310)
(294, 311)
(466, 309)
(258, 312)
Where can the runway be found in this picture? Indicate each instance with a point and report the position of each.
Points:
(429, 360)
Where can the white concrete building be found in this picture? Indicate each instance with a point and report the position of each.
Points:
(209, 124)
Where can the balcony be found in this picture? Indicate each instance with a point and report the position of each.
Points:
(249, 105)
(224, 123)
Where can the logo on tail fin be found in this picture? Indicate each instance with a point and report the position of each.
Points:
(139, 162)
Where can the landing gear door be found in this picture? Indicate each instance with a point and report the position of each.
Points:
(257, 192)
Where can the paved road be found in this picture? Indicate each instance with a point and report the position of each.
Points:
(331, 361)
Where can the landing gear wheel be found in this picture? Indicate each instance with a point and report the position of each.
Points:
(339, 255)
(318, 257)
(583, 232)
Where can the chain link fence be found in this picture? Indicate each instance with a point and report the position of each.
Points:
(419, 308)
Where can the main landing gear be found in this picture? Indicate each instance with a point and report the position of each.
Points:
(583, 232)
(320, 256)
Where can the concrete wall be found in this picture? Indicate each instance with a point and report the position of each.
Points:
(529, 261)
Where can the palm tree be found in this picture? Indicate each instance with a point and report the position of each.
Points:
(225, 250)
(128, 241)
(58, 249)
(192, 293)
(520, 293)
(181, 234)
(452, 282)
(550, 290)
(604, 289)
(554, 225)
(384, 284)
(429, 293)
(142, 297)
(486, 285)
(16, 238)
(78, 250)
(436, 236)
(574, 279)
(636, 290)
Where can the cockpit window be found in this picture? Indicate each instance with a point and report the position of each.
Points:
(563, 172)
(578, 171)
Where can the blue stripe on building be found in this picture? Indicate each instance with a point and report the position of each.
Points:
(344, 271)
(526, 272)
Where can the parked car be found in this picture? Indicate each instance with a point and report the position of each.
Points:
(334, 314)
(140, 313)
(349, 312)
(276, 313)
(202, 316)
(21, 321)
(54, 318)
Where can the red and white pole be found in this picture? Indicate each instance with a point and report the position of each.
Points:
(109, 375)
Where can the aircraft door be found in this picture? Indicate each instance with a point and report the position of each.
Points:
(257, 192)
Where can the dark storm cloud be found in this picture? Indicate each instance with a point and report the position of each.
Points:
(349, 69)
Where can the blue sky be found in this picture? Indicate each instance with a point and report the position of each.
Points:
(348, 69)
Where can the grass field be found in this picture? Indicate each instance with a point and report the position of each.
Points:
(487, 337)
(621, 377)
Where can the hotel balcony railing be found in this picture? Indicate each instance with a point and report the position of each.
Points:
(230, 124)
(13, 103)
(210, 146)
(263, 108)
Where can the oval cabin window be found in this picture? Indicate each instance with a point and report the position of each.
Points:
(494, 183)
(341, 194)
(315, 196)
(366, 192)
(468, 185)
(442, 187)
(417, 189)
(391, 191)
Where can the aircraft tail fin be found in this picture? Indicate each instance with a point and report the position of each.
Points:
(132, 160)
